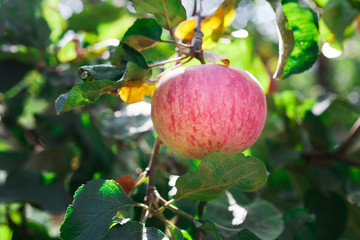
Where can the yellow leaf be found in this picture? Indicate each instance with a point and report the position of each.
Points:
(213, 26)
(135, 91)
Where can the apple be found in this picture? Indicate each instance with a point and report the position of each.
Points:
(207, 108)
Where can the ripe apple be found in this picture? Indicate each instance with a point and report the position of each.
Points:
(208, 108)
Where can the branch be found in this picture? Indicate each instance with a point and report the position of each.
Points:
(152, 196)
(340, 152)
(196, 49)
(313, 156)
(158, 64)
(350, 138)
(173, 208)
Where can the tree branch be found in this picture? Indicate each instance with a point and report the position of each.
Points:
(340, 152)
(197, 41)
(152, 196)
(313, 156)
(350, 138)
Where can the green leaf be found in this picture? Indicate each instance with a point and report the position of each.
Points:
(68, 52)
(124, 53)
(299, 225)
(85, 93)
(176, 233)
(247, 235)
(210, 227)
(219, 172)
(134, 231)
(271, 224)
(299, 36)
(94, 207)
(144, 33)
(100, 72)
(331, 213)
(338, 15)
(169, 13)
(234, 217)
(134, 118)
(29, 186)
(135, 73)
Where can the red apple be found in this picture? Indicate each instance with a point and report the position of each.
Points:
(208, 108)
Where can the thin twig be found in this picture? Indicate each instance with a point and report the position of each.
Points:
(176, 43)
(173, 208)
(158, 77)
(158, 64)
(350, 138)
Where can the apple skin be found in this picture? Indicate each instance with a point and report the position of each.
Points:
(207, 108)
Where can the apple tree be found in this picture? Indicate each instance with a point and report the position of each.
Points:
(169, 119)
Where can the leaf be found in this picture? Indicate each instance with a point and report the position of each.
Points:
(124, 54)
(169, 13)
(213, 26)
(134, 231)
(68, 52)
(94, 207)
(144, 33)
(299, 224)
(176, 233)
(29, 186)
(338, 15)
(247, 235)
(135, 89)
(213, 58)
(100, 72)
(271, 224)
(330, 211)
(84, 93)
(219, 172)
(299, 36)
(234, 217)
(134, 118)
(134, 92)
(126, 182)
(210, 227)
(135, 73)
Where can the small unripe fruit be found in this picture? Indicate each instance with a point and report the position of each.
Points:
(208, 108)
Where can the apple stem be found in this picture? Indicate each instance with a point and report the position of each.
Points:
(197, 41)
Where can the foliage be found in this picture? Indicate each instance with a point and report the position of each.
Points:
(76, 79)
